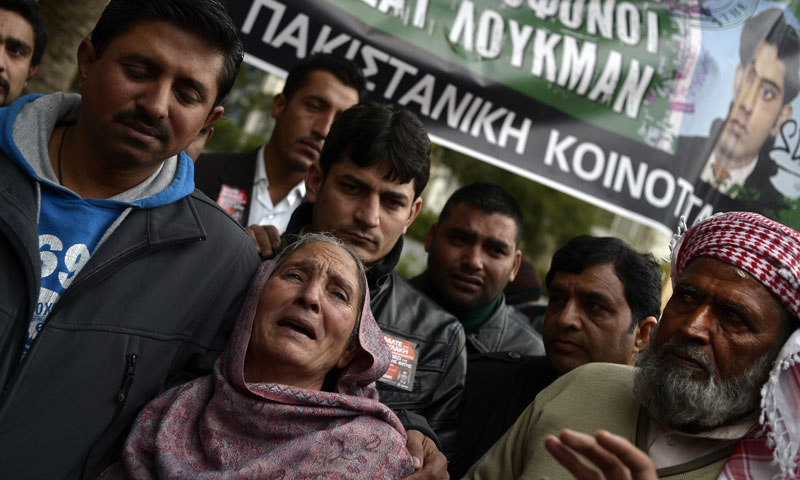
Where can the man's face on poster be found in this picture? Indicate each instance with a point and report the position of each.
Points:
(758, 110)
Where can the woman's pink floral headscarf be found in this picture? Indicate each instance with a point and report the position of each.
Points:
(219, 426)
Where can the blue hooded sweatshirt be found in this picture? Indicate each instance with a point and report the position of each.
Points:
(72, 228)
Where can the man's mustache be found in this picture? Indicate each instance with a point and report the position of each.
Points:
(692, 352)
(137, 116)
(4, 83)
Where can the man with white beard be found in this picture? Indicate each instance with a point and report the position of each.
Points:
(725, 348)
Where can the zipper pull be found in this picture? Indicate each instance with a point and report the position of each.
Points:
(122, 395)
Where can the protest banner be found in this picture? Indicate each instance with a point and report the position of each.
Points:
(654, 110)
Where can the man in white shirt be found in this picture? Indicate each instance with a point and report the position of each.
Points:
(693, 402)
(262, 209)
(262, 188)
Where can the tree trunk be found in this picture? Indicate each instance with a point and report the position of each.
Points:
(68, 22)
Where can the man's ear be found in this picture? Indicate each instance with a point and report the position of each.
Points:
(517, 263)
(213, 116)
(641, 335)
(278, 105)
(430, 235)
(313, 182)
(348, 355)
(783, 117)
(86, 58)
(412, 215)
(32, 71)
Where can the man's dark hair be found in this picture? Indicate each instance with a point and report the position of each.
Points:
(370, 133)
(205, 18)
(29, 10)
(490, 198)
(341, 68)
(639, 273)
(770, 26)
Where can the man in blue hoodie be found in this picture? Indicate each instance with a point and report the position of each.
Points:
(116, 276)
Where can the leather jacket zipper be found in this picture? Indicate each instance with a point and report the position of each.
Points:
(122, 395)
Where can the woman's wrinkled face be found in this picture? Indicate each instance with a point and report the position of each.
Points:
(307, 312)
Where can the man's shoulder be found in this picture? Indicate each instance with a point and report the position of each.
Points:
(689, 143)
(224, 234)
(212, 170)
(518, 320)
(491, 365)
(403, 307)
(599, 376)
(224, 158)
(519, 334)
(213, 215)
(610, 388)
(692, 151)
(421, 301)
(600, 368)
(191, 218)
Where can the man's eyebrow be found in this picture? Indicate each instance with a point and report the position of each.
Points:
(464, 232)
(745, 314)
(686, 287)
(154, 66)
(497, 243)
(365, 186)
(400, 197)
(145, 61)
(20, 43)
(319, 99)
(740, 309)
(584, 294)
(353, 179)
(766, 80)
(595, 295)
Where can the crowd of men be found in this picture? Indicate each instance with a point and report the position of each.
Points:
(123, 262)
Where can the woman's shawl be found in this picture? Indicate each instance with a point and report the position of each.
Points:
(219, 426)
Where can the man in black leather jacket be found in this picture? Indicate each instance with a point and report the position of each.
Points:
(473, 252)
(365, 189)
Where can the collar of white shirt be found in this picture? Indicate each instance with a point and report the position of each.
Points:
(736, 176)
(668, 448)
(262, 211)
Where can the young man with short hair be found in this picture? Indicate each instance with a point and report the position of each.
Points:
(23, 38)
(264, 187)
(366, 190)
(473, 252)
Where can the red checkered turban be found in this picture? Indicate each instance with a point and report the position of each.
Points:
(764, 248)
(770, 252)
